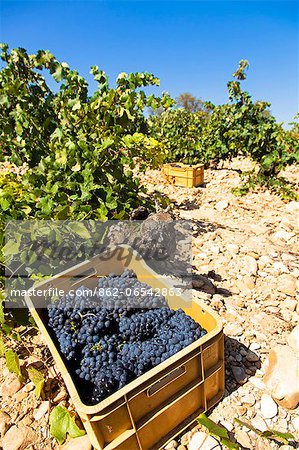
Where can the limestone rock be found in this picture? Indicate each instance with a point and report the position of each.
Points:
(228, 425)
(245, 284)
(290, 304)
(281, 376)
(11, 387)
(41, 410)
(233, 329)
(4, 422)
(250, 265)
(254, 346)
(292, 207)
(268, 407)
(79, 443)
(259, 423)
(202, 441)
(293, 339)
(60, 396)
(287, 284)
(185, 439)
(248, 399)
(284, 235)
(264, 261)
(295, 423)
(243, 438)
(172, 444)
(257, 383)
(19, 438)
(220, 206)
(232, 248)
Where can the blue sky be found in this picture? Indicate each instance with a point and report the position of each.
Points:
(191, 46)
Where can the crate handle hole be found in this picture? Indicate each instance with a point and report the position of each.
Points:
(159, 385)
(83, 276)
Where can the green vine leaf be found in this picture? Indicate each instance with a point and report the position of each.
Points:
(11, 248)
(2, 347)
(58, 74)
(217, 431)
(2, 317)
(61, 424)
(13, 363)
(6, 329)
(80, 229)
(37, 379)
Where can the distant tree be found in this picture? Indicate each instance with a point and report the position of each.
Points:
(190, 102)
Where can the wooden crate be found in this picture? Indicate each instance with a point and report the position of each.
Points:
(154, 408)
(184, 175)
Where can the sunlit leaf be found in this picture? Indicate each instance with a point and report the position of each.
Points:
(2, 347)
(13, 363)
(80, 229)
(217, 431)
(38, 379)
(61, 424)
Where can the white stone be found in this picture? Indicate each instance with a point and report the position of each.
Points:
(220, 206)
(79, 443)
(288, 257)
(259, 423)
(202, 441)
(280, 267)
(295, 423)
(197, 440)
(19, 438)
(171, 444)
(248, 399)
(290, 304)
(292, 206)
(228, 425)
(243, 438)
(232, 248)
(281, 376)
(293, 339)
(268, 407)
(257, 383)
(284, 235)
(254, 346)
(262, 274)
(264, 261)
(287, 284)
(12, 386)
(250, 265)
(4, 422)
(233, 329)
(41, 410)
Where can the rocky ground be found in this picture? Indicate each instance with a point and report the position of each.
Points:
(244, 250)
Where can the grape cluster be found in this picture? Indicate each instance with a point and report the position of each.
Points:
(109, 341)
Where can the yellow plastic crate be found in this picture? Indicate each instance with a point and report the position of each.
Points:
(184, 175)
(154, 408)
